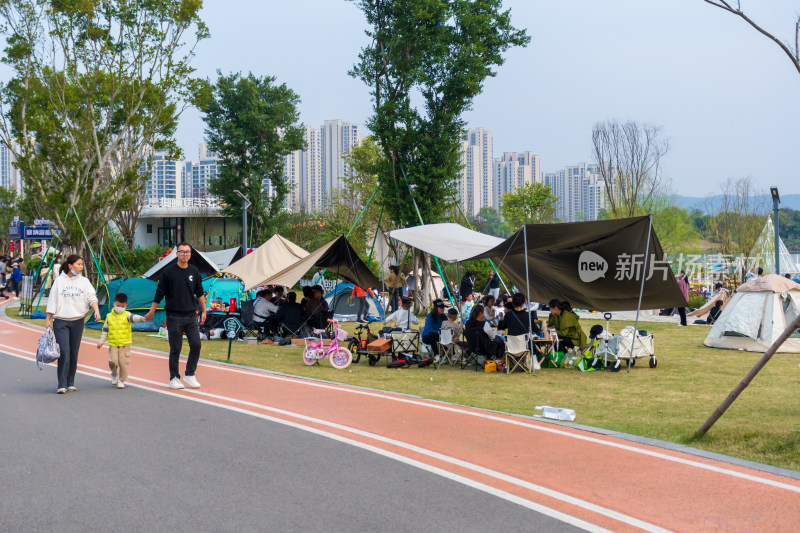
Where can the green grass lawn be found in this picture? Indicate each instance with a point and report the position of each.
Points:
(669, 402)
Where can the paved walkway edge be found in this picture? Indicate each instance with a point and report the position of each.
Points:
(672, 446)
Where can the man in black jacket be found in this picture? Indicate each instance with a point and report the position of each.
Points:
(182, 287)
(493, 285)
(467, 285)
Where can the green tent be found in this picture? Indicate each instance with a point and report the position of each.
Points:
(140, 292)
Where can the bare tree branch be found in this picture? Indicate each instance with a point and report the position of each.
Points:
(794, 55)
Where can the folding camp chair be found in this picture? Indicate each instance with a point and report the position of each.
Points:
(404, 342)
(518, 355)
(447, 348)
(471, 355)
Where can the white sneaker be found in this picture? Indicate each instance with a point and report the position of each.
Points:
(114, 380)
(62, 390)
(73, 388)
(192, 382)
(121, 385)
(175, 383)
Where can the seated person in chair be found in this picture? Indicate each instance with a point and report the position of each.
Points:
(467, 306)
(433, 323)
(570, 333)
(264, 311)
(481, 339)
(490, 311)
(453, 323)
(290, 316)
(402, 318)
(317, 309)
(277, 296)
(517, 320)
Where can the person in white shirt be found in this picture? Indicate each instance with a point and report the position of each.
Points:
(264, 311)
(319, 277)
(70, 298)
(402, 316)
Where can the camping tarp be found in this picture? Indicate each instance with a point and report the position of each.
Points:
(265, 261)
(344, 310)
(451, 242)
(140, 293)
(592, 265)
(203, 263)
(337, 256)
(224, 258)
(756, 315)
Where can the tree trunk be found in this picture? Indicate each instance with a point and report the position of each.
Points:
(427, 281)
(415, 272)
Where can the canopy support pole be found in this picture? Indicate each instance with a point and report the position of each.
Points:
(383, 283)
(49, 268)
(91, 250)
(528, 288)
(641, 291)
(358, 218)
(377, 230)
(719, 411)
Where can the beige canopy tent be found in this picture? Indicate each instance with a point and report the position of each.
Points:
(702, 312)
(265, 261)
(756, 316)
(337, 256)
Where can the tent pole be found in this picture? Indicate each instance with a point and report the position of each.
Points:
(383, 283)
(50, 267)
(377, 230)
(641, 291)
(719, 411)
(358, 218)
(528, 288)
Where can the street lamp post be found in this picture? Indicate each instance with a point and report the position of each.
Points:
(776, 202)
(245, 205)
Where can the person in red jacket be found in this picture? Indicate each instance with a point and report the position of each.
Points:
(360, 296)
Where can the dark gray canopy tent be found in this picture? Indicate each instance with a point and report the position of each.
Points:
(603, 265)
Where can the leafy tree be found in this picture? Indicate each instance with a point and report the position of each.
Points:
(427, 61)
(8, 209)
(490, 222)
(674, 227)
(533, 203)
(252, 124)
(96, 86)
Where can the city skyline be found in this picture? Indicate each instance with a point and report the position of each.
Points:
(723, 94)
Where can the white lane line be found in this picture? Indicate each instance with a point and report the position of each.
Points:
(479, 414)
(558, 515)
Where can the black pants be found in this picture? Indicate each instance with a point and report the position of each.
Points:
(432, 340)
(176, 327)
(394, 299)
(68, 336)
(682, 313)
(363, 308)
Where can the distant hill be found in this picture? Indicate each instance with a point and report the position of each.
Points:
(791, 201)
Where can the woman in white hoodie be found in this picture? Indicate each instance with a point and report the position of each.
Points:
(70, 298)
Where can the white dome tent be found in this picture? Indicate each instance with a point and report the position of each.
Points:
(757, 314)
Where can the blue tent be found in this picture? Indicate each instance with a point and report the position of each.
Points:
(140, 293)
(344, 311)
(225, 289)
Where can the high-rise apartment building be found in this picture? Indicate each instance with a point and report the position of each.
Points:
(198, 174)
(477, 188)
(581, 192)
(164, 176)
(10, 178)
(514, 170)
(338, 138)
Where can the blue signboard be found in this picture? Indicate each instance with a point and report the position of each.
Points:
(39, 233)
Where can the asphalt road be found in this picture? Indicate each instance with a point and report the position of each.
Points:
(101, 458)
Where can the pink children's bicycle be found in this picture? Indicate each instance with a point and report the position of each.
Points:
(339, 356)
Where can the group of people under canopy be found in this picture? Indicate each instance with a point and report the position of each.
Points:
(488, 321)
(276, 314)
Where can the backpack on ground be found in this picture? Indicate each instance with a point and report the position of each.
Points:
(48, 351)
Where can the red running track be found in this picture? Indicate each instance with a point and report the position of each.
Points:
(589, 480)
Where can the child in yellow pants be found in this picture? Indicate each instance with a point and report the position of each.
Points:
(117, 331)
